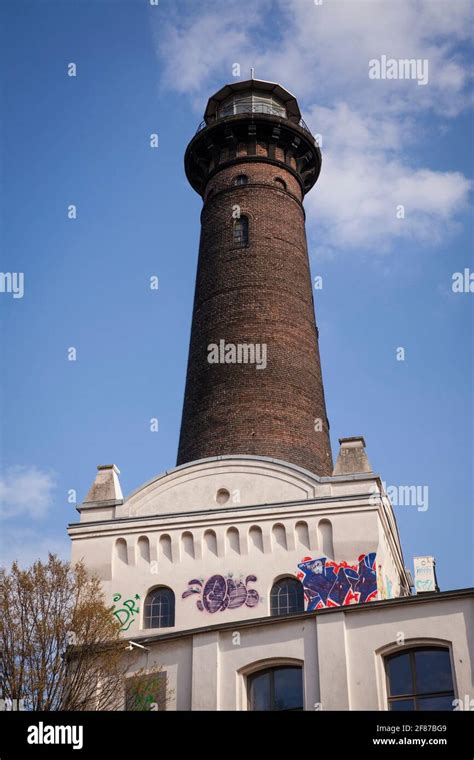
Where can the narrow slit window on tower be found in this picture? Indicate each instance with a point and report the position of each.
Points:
(241, 179)
(241, 232)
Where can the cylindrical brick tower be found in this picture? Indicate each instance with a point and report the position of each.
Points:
(254, 383)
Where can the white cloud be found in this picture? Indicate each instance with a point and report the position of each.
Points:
(22, 545)
(26, 491)
(322, 54)
(363, 183)
(339, 38)
(203, 42)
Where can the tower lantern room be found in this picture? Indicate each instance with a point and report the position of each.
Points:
(252, 114)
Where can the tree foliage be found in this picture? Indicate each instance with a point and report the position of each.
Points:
(60, 643)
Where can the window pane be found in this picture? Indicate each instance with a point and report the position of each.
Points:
(435, 703)
(288, 689)
(402, 704)
(433, 671)
(242, 104)
(286, 597)
(260, 692)
(159, 609)
(241, 231)
(399, 675)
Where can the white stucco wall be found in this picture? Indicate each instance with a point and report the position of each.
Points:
(151, 542)
(341, 652)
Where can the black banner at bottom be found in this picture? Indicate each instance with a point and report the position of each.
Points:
(63, 735)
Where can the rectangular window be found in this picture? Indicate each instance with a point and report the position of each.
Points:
(241, 232)
(420, 679)
(147, 692)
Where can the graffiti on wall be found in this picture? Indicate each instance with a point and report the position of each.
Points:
(335, 584)
(127, 612)
(384, 585)
(221, 593)
(425, 578)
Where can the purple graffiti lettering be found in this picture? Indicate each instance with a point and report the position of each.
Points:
(220, 593)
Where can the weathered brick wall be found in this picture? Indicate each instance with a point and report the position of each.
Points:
(258, 294)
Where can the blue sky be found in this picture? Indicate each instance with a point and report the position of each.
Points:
(387, 282)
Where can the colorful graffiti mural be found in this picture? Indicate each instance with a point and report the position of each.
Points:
(384, 585)
(335, 584)
(425, 577)
(219, 593)
(127, 612)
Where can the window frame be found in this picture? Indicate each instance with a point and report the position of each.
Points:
(245, 242)
(148, 617)
(415, 696)
(300, 591)
(140, 702)
(280, 183)
(271, 669)
(251, 102)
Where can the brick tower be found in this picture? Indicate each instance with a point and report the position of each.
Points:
(254, 383)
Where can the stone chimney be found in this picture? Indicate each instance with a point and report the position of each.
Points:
(352, 459)
(103, 496)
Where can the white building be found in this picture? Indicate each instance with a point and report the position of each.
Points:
(202, 565)
(254, 582)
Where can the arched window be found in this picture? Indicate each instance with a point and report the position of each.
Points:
(241, 232)
(420, 679)
(286, 597)
(159, 608)
(279, 182)
(276, 689)
(241, 179)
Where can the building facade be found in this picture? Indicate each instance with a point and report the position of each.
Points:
(256, 572)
